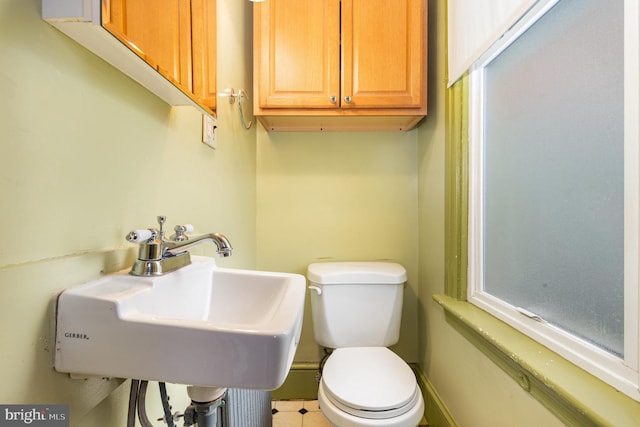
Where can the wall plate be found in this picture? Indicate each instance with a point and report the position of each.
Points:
(209, 126)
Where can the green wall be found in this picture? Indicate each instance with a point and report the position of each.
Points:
(475, 391)
(339, 196)
(86, 154)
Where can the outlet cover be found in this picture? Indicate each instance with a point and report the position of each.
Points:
(209, 126)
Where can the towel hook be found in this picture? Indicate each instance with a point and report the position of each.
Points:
(232, 99)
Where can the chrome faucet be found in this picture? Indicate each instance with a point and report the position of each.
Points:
(158, 256)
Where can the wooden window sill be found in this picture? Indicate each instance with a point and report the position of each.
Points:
(572, 394)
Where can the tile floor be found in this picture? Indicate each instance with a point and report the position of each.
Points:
(297, 413)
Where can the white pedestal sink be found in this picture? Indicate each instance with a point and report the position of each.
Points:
(200, 325)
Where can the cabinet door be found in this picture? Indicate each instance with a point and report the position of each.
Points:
(159, 31)
(382, 53)
(297, 53)
(203, 22)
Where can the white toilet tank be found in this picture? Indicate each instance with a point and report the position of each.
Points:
(356, 304)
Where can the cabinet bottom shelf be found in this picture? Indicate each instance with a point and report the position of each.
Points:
(310, 123)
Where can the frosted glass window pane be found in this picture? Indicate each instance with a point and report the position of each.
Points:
(553, 171)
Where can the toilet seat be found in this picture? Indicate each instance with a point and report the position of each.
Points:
(370, 382)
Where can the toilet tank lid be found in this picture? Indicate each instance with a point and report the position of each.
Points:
(370, 272)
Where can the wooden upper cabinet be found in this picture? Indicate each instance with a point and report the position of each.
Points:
(382, 53)
(176, 37)
(298, 53)
(203, 30)
(159, 33)
(319, 61)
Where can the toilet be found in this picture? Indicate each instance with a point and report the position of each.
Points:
(356, 309)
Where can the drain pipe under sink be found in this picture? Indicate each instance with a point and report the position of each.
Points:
(205, 402)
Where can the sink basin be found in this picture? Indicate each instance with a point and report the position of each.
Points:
(200, 325)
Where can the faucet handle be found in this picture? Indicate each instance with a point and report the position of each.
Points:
(181, 232)
(161, 220)
(137, 236)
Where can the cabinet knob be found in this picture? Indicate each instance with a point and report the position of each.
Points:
(347, 99)
(333, 99)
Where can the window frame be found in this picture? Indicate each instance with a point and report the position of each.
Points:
(623, 375)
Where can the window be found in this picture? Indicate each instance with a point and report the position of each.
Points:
(554, 190)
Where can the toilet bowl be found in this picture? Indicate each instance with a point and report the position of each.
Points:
(369, 386)
(356, 310)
